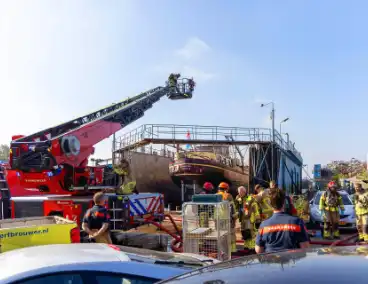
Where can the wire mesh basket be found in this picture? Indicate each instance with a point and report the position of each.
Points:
(207, 229)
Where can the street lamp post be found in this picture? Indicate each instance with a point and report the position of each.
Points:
(273, 136)
(282, 121)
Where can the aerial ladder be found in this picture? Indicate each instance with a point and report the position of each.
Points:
(55, 160)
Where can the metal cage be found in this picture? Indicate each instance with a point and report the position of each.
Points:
(207, 229)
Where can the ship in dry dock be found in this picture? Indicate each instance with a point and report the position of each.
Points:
(176, 160)
(209, 163)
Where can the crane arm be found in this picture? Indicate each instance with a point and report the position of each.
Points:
(72, 142)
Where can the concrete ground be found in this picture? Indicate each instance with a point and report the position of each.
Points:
(177, 217)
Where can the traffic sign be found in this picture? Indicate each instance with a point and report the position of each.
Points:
(317, 171)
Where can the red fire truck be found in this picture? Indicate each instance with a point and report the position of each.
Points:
(48, 173)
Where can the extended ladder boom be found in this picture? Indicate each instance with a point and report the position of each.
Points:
(72, 142)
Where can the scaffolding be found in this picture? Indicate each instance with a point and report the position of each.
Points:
(219, 135)
(252, 147)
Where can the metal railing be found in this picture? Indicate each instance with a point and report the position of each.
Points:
(217, 134)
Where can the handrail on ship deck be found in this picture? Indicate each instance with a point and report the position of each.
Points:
(148, 133)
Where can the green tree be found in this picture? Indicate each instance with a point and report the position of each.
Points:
(363, 175)
(4, 152)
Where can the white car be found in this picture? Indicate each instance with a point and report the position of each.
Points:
(92, 263)
(347, 221)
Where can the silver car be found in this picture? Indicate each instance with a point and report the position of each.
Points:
(92, 263)
(347, 221)
(338, 265)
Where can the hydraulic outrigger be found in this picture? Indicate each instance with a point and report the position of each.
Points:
(54, 160)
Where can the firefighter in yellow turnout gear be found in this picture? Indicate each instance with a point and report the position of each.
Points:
(223, 189)
(330, 204)
(264, 203)
(173, 79)
(239, 202)
(361, 211)
(251, 217)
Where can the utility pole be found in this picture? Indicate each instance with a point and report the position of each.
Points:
(273, 142)
(273, 138)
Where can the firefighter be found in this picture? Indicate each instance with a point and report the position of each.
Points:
(173, 79)
(281, 231)
(273, 184)
(172, 82)
(305, 210)
(239, 202)
(263, 200)
(361, 211)
(250, 221)
(96, 221)
(223, 189)
(329, 205)
(289, 206)
(191, 85)
(207, 188)
(205, 211)
(129, 188)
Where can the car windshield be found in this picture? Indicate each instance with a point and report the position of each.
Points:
(345, 199)
(139, 253)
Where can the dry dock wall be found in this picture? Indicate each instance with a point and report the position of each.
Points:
(151, 172)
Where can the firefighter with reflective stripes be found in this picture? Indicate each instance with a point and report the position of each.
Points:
(263, 200)
(330, 204)
(250, 220)
(223, 189)
(96, 221)
(361, 211)
(281, 231)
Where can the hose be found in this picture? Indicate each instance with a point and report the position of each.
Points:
(174, 245)
(335, 243)
(342, 242)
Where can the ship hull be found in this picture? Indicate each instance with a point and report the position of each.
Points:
(151, 173)
(197, 171)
